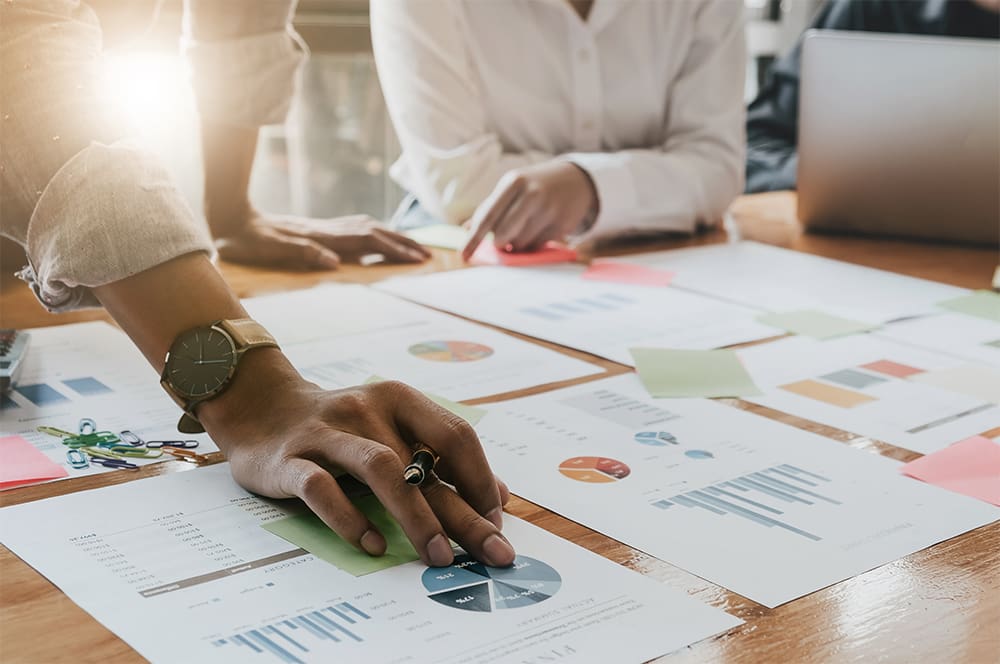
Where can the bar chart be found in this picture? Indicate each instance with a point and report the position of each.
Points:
(287, 640)
(757, 497)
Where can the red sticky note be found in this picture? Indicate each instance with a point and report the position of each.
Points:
(21, 463)
(552, 252)
(970, 467)
(625, 273)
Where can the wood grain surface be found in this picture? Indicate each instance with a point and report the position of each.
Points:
(938, 605)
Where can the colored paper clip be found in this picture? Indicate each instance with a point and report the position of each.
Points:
(87, 426)
(98, 438)
(54, 431)
(114, 463)
(100, 452)
(77, 459)
(186, 455)
(185, 444)
(130, 438)
(135, 452)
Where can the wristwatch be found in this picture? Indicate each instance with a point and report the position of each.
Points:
(202, 361)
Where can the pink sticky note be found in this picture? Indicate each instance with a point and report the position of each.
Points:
(21, 463)
(625, 273)
(552, 252)
(970, 467)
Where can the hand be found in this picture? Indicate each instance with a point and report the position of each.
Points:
(286, 437)
(313, 244)
(533, 205)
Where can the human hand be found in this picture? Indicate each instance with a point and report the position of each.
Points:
(314, 244)
(533, 205)
(289, 438)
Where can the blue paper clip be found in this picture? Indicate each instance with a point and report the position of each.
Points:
(77, 459)
(130, 438)
(114, 463)
(87, 426)
(184, 444)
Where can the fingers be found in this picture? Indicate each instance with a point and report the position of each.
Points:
(353, 237)
(287, 252)
(320, 492)
(517, 223)
(381, 469)
(398, 248)
(462, 460)
(491, 211)
(481, 538)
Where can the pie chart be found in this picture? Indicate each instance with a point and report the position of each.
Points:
(656, 438)
(450, 351)
(595, 470)
(472, 586)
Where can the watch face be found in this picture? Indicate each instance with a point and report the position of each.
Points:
(200, 362)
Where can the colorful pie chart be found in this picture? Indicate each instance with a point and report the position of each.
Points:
(656, 438)
(595, 470)
(450, 351)
(472, 586)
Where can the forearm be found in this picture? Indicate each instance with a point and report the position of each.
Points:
(228, 153)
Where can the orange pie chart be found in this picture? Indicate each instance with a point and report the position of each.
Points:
(595, 470)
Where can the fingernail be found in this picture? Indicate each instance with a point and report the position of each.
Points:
(439, 551)
(373, 543)
(497, 551)
(495, 516)
(329, 261)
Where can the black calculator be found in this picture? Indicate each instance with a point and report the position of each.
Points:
(13, 346)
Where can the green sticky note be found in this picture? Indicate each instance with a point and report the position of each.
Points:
(815, 324)
(443, 236)
(470, 414)
(310, 533)
(983, 303)
(692, 373)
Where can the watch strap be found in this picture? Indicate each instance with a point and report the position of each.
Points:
(247, 333)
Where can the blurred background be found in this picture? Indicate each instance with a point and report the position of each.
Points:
(332, 156)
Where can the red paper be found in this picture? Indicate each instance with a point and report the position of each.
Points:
(970, 467)
(21, 463)
(552, 252)
(625, 273)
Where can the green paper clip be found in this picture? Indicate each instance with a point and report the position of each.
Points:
(101, 452)
(98, 439)
(134, 452)
(53, 431)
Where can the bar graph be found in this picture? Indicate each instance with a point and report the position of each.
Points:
(287, 640)
(87, 386)
(565, 310)
(758, 497)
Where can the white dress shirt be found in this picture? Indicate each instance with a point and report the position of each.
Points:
(645, 95)
(88, 207)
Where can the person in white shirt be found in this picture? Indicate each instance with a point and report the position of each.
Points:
(548, 120)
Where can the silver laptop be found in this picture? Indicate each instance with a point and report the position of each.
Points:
(900, 135)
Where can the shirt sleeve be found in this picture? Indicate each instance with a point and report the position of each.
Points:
(245, 57)
(693, 177)
(435, 105)
(88, 207)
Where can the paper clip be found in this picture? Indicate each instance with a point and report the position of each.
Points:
(102, 452)
(185, 444)
(186, 455)
(77, 459)
(134, 452)
(87, 426)
(130, 438)
(114, 463)
(53, 431)
(98, 438)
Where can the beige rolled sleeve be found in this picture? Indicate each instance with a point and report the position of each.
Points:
(88, 208)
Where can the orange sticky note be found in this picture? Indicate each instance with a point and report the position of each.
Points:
(626, 273)
(970, 467)
(552, 252)
(21, 463)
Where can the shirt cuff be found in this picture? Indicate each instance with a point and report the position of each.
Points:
(110, 212)
(248, 81)
(616, 193)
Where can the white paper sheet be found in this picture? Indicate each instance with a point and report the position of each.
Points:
(968, 337)
(866, 385)
(342, 335)
(602, 318)
(184, 573)
(769, 511)
(779, 280)
(89, 370)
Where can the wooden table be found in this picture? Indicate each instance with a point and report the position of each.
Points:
(938, 605)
